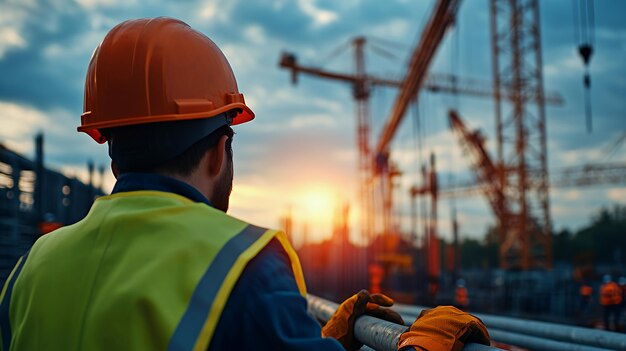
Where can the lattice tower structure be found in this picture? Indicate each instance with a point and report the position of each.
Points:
(521, 134)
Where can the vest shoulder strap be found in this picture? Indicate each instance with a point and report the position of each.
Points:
(198, 324)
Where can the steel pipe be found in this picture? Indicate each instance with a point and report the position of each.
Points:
(537, 343)
(375, 333)
(544, 330)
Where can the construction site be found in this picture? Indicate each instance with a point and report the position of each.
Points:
(445, 194)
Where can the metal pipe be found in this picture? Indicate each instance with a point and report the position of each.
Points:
(536, 343)
(551, 331)
(377, 333)
(373, 332)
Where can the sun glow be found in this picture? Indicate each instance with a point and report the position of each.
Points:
(317, 204)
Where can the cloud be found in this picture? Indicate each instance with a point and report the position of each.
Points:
(308, 121)
(17, 125)
(255, 34)
(320, 16)
(572, 195)
(12, 17)
(10, 38)
(617, 195)
(215, 13)
(43, 72)
(93, 4)
(567, 63)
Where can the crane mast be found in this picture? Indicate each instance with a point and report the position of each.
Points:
(521, 132)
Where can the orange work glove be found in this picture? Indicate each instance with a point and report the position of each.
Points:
(444, 328)
(341, 325)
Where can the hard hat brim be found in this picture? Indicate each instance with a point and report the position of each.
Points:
(93, 129)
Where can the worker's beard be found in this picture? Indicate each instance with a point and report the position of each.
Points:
(223, 187)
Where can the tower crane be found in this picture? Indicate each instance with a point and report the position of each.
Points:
(361, 84)
(522, 199)
(491, 174)
(488, 173)
(442, 17)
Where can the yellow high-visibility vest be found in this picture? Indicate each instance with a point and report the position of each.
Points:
(144, 270)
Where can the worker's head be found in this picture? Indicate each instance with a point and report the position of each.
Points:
(164, 97)
(621, 281)
(460, 283)
(606, 278)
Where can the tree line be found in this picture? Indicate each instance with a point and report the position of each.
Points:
(601, 242)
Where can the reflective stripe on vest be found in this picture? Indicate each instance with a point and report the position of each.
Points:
(203, 301)
(144, 270)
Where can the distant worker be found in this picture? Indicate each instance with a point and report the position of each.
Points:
(610, 299)
(461, 298)
(158, 264)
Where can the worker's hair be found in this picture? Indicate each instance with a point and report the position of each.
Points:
(187, 162)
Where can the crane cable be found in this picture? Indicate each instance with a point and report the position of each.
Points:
(418, 146)
(455, 65)
(584, 24)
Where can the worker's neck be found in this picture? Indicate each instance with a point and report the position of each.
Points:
(196, 180)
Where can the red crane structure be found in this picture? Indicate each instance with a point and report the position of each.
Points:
(519, 200)
(510, 220)
(489, 174)
(521, 133)
(516, 183)
(362, 83)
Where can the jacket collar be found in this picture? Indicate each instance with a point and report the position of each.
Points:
(152, 181)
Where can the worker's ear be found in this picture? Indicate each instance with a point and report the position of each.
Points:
(217, 157)
(114, 169)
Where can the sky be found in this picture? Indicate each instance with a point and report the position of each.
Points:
(299, 154)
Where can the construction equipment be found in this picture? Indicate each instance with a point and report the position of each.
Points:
(362, 84)
(488, 174)
(416, 79)
(378, 163)
(520, 136)
(510, 220)
(520, 132)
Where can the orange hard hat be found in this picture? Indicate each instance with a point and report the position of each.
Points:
(157, 70)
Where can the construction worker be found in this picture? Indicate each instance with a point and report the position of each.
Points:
(158, 264)
(610, 299)
(460, 295)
